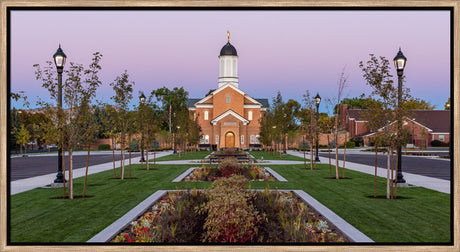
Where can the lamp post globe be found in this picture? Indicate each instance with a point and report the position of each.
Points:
(142, 102)
(400, 63)
(317, 102)
(59, 59)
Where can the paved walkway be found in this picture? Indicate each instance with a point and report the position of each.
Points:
(27, 184)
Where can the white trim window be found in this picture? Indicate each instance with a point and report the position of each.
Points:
(441, 138)
(206, 115)
(228, 98)
(217, 139)
(257, 139)
(202, 139)
(250, 115)
(206, 139)
(252, 139)
(242, 139)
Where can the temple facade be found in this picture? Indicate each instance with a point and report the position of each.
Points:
(228, 117)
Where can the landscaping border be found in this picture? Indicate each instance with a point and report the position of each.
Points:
(190, 170)
(113, 229)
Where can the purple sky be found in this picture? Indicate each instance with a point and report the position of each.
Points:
(289, 51)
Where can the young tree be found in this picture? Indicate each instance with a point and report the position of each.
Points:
(341, 84)
(123, 88)
(22, 138)
(78, 90)
(382, 118)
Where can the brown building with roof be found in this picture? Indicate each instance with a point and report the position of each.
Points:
(228, 117)
(424, 126)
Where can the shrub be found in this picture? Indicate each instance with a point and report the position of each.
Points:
(103, 147)
(436, 143)
(332, 144)
(350, 145)
(231, 215)
(229, 166)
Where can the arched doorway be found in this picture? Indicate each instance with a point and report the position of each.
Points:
(229, 140)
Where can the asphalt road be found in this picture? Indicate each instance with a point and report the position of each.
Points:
(426, 166)
(26, 167)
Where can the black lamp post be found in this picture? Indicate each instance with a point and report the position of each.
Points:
(59, 60)
(400, 63)
(174, 135)
(317, 102)
(142, 102)
(285, 135)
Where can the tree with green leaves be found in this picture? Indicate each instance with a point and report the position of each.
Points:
(78, 90)
(376, 72)
(447, 104)
(123, 88)
(22, 138)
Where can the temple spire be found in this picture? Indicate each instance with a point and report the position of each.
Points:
(228, 36)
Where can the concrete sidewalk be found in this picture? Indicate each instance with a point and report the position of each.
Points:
(436, 184)
(27, 184)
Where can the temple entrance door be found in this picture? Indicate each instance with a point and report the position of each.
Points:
(229, 140)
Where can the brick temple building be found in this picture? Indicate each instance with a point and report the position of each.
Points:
(228, 117)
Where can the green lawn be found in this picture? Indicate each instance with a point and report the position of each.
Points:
(268, 155)
(188, 156)
(37, 216)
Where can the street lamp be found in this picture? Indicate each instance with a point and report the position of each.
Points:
(400, 63)
(317, 102)
(175, 140)
(142, 102)
(59, 60)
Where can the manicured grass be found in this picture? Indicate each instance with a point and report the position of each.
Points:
(268, 155)
(188, 156)
(423, 216)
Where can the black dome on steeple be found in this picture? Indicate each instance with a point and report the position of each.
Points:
(228, 49)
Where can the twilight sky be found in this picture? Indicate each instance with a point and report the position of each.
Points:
(287, 51)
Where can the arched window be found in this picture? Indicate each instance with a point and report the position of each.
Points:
(257, 139)
(201, 139)
(252, 139)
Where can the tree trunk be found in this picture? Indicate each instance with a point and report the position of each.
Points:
(113, 159)
(329, 152)
(86, 173)
(375, 174)
(336, 159)
(312, 160)
(392, 175)
(304, 158)
(130, 163)
(147, 159)
(63, 173)
(344, 155)
(70, 174)
(388, 173)
(396, 180)
(154, 156)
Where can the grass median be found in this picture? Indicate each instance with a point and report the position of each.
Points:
(41, 216)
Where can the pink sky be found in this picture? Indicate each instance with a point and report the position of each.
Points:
(289, 51)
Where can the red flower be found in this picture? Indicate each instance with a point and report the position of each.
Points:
(126, 236)
(129, 240)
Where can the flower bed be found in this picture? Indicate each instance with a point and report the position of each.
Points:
(227, 212)
(211, 173)
(228, 167)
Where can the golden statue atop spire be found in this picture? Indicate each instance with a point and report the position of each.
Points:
(228, 36)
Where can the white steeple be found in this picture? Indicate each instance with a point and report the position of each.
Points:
(228, 64)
